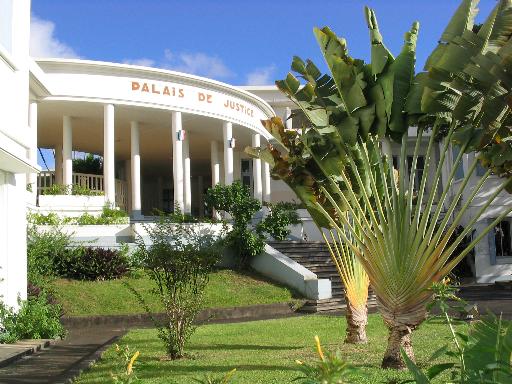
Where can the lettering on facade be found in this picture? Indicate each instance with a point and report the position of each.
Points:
(155, 89)
(203, 97)
(238, 107)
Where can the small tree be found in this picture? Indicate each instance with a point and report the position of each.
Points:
(280, 216)
(236, 201)
(178, 258)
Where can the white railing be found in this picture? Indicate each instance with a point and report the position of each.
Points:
(93, 182)
(46, 179)
(122, 194)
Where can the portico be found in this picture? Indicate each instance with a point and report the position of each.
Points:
(163, 141)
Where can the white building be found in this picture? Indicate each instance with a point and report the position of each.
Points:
(164, 137)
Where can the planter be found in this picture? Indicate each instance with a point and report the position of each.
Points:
(71, 205)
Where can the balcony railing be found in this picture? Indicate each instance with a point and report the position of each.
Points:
(46, 179)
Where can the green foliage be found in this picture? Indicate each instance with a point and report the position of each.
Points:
(484, 353)
(36, 319)
(329, 369)
(91, 165)
(37, 218)
(87, 263)
(178, 258)
(467, 84)
(236, 201)
(224, 379)
(107, 217)
(51, 253)
(125, 372)
(276, 222)
(44, 249)
(75, 189)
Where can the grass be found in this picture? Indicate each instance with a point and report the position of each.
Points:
(225, 289)
(264, 351)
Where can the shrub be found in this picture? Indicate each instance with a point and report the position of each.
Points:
(36, 319)
(42, 219)
(329, 369)
(75, 189)
(86, 263)
(108, 216)
(280, 216)
(178, 259)
(236, 200)
(44, 249)
(483, 354)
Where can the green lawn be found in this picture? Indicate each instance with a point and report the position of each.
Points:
(264, 351)
(225, 289)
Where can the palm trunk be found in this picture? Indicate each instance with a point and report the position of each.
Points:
(399, 338)
(400, 325)
(357, 318)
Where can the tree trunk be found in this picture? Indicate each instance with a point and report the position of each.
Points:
(401, 322)
(399, 338)
(357, 318)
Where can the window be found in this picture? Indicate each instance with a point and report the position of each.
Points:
(459, 173)
(6, 24)
(503, 239)
(167, 200)
(246, 173)
(420, 166)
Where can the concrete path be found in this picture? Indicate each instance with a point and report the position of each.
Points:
(63, 360)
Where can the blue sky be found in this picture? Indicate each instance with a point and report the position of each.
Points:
(239, 42)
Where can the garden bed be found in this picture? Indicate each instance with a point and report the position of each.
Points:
(226, 289)
(265, 351)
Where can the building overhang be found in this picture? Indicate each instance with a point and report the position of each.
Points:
(14, 164)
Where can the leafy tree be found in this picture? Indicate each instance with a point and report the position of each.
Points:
(342, 170)
(236, 201)
(91, 164)
(178, 258)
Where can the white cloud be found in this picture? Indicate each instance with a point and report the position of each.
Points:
(195, 63)
(261, 76)
(43, 43)
(143, 62)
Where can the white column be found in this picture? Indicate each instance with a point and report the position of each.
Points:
(67, 149)
(266, 187)
(187, 189)
(108, 154)
(135, 168)
(256, 170)
(177, 160)
(214, 156)
(32, 155)
(58, 164)
(227, 134)
(288, 122)
(200, 186)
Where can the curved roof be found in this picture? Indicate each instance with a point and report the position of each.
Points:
(124, 84)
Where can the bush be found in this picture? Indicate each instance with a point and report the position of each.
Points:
(108, 216)
(236, 200)
(36, 319)
(280, 216)
(44, 249)
(179, 259)
(75, 189)
(86, 263)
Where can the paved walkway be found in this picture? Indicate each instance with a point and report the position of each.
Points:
(63, 360)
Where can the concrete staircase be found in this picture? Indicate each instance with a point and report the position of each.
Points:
(315, 256)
